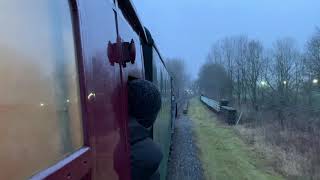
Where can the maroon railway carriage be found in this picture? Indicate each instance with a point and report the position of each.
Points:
(63, 97)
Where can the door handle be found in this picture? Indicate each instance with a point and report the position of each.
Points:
(121, 52)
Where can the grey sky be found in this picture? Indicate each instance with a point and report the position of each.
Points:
(187, 28)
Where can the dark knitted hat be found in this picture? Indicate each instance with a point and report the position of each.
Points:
(144, 101)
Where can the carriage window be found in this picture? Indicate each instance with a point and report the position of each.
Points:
(40, 114)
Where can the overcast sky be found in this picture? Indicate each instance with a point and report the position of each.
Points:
(187, 28)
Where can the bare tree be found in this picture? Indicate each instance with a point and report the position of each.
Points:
(313, 54)
(231, 52)
(216, 53)
(286, 56)
(311, 66)
(240, 68)
(254, 66)
(214, 81)
(177, 69)
(227, 46)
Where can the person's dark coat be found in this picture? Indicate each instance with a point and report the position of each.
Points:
(144, 102)
(146, 155)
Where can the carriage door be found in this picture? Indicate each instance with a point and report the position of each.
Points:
(104, 90)
(41, 131)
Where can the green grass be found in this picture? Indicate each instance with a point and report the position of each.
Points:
(223, 154)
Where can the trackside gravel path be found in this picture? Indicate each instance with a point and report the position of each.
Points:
(184, 163)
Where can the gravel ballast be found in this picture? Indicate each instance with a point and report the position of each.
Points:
(184, 163)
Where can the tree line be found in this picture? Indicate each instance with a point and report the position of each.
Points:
(180, 76)
(282, 79)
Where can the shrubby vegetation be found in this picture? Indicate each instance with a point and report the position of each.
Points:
(277, 90)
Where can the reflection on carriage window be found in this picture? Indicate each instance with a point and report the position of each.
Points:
(39, 95)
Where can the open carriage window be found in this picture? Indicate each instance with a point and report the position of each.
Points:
(40, 114)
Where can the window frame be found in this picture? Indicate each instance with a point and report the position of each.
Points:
(77, 165)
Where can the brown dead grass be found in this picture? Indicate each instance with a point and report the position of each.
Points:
(293, 154)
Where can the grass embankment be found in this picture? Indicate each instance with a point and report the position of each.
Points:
(222, 153)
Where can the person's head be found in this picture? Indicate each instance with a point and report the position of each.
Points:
(144, 101)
